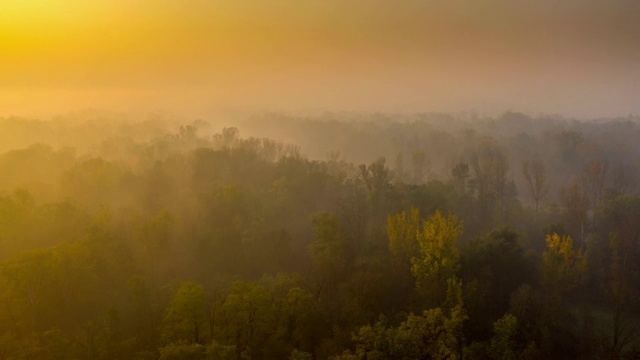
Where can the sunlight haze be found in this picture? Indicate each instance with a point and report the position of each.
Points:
(319, 179)
(574, 58)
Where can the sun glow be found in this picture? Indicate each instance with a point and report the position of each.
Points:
(354, 55)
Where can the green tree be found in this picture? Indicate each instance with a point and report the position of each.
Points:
(432, 335)
(185, 318)
(328, 252)
(246, 318)
(493, 267)
(183, 350)
(503, 343)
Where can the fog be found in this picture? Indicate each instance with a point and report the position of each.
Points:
(331, 180)
(573, 58)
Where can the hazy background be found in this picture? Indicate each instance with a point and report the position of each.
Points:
(575, 58)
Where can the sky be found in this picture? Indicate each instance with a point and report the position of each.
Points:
(576, 58)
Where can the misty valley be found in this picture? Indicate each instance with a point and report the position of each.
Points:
(327, 236)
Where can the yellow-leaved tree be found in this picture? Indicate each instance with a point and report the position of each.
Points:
(439, 257)
(562, 266)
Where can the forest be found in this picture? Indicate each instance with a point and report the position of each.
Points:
(336, 236)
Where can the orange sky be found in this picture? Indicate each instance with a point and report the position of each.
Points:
(572, 57)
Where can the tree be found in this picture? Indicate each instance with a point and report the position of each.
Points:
(563, 268)
(593, 179)
(490, 169)
(376, 176)
(493, 267)
(354, 213)
(576, 205)
(95, 181)
(431, 335)
(61, 296)
(623, 180)
(438, 259)
(403, 232)
(301, 318)
(418, 166)
(377, 179)
(536, 176)
(229, 135)
(435, 334)
(246, 318)
(155, 235)
(142, 315)
(460, 174)
(400, 171)
(182, 350)
(562, 265)
(503, 344)
(568, 143)
(328, 252)
(624, 298)
(185, 317)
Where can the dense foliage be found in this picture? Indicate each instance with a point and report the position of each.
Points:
(400, 237)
